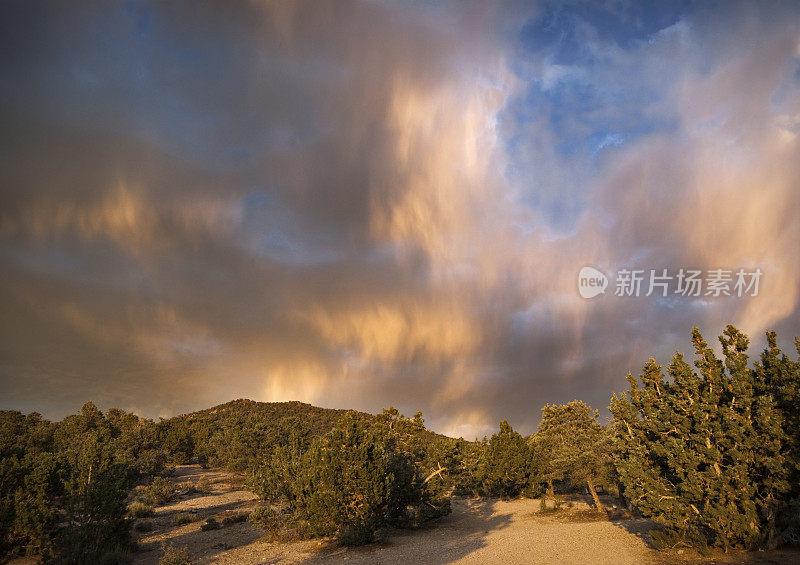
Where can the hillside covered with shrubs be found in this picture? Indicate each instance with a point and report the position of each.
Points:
(710, 451)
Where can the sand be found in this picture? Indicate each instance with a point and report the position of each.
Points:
(478, 531)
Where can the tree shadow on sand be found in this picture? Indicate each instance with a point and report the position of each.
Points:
(453, 537)
(639, 527)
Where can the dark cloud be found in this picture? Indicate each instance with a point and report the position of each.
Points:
(364, 204)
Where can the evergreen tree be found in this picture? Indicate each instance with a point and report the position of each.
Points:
(506, 463)
(351, 483)
(778, 377)
(703, 453)
(574, 445)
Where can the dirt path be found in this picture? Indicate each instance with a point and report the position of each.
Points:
(478, 531)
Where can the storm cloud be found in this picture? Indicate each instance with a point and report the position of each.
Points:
(364, 204)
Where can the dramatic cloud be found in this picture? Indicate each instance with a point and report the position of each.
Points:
(364, 204)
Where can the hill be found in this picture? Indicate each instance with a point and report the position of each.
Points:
(235, 434)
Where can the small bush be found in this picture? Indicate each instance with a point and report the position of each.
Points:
(140, 510)
(144, 526)
(210, 524)
(159, 492)
(183, 518)
(184, 488)
(175, 556)
(203, 485)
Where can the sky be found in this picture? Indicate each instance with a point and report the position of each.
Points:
(372, 204)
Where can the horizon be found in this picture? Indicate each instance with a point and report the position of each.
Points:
(467, 210)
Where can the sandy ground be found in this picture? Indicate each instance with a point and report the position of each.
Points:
(478, 531)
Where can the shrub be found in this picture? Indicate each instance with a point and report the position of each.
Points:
(95, 508)
(139, 509)
(265, 517)
(349, 484)
(203, 485)
(159, 492)
(175, 556)
(183, 518)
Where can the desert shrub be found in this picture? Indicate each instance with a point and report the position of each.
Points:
(144, 526)
(203, 485)
(183, 518)
(63, 487)
(350, 483)
(29, 486)
(160, 491)
(175, 556)
(210, 524)
(670, 538)
(138, 509)
(96, 522)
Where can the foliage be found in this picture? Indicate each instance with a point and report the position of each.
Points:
(63, 486)
(144, 526)
(350, 483)
(175, 556)
(160, 491)
(710, 454)
(203, 485)
(139, 509)
(576, 445)
(183, 518)
(274, 523)
(505, 467)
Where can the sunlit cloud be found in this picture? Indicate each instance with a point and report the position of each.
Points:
(364, 204)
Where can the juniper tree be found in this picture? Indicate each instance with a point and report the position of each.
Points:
(505, 465)
(351, 482)
(703, 452)
(574, 445)
(779, 376)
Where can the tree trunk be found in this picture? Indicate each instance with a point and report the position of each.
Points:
(550, 492)
(597, 503)
(772, 535)
(622, 499)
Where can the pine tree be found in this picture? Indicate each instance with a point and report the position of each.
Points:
(506, 463)
(575, 445)
(350, 483)
(777, 377)
(703, 454)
